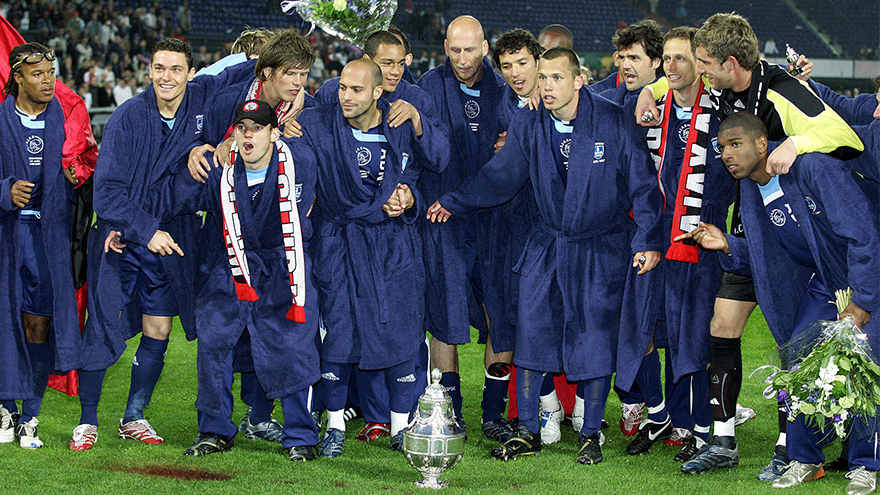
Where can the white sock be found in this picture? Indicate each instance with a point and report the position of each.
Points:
(781, 440)
(725, 428)
(578, 410)
(398, 422)
(336, 420)
(550, 402)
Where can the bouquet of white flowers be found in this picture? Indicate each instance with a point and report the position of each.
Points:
(831, 374)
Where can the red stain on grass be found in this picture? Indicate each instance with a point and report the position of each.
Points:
(176, 473)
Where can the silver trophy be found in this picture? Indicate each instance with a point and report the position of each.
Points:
(434, 441)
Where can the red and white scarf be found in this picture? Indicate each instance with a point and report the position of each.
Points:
(281, 111)
(290, 229)
(689, 197)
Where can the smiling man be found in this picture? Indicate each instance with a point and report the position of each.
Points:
(36, 200)
(586, 174)
(808, 233)
(144, 287)
(695, 187)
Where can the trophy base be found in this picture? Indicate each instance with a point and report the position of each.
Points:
(431, 482)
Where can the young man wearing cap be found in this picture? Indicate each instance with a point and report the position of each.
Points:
(36, 200)
(367, 264)
(258, 287)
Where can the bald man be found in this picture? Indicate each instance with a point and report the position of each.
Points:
(366, 245)
(556, 35)
(468, 96)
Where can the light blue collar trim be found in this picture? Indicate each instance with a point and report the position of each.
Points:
(771, 192)
(368, 138)
(28, 122)
(468, 91)
(562, 127)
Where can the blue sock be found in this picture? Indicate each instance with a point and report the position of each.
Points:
(90, 383)
(495, 396)
(145, 371)
(700, 408)
(595, 394)
(10, 405)
(248, 386)
(262, 406)
(528, 397)
(39, 357)
(548, 386)
(651, 387)
(452, 382)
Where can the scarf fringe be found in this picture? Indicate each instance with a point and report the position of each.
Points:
(296, 313)
(679, 251)
(245, 292)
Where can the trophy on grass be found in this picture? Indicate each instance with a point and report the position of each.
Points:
(434, 441)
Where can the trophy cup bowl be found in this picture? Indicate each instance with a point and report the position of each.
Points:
(434, 441)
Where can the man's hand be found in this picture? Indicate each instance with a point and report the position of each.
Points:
(114, 242)
(70, 175)
(162, 244)
(401, 200)
(806, 68)
(197, 164)
(781, 159)
(646, 261)
(499, 143)
(644, 105)
(290, 111)
(293, 129)
(535, 100)
(400, 112)
(860, 316)
(222, 154)
(21, 193)
(437, 213)
(708, 237)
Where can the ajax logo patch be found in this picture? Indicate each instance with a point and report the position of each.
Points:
(363, 156)
(683, 131)
(200, 120)
(472, 109)
(812, 205)
(34, 145)
(565, 146)
(777, 217)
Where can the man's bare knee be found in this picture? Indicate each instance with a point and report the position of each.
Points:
(444, 356)
(36, 328)
(157, 327)
(730, 318)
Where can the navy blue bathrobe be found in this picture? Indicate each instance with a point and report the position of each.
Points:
(285, 353)
(135, 154)
(576, 260)
(59, 197)
(840, 226)
(445, 249)
(368, 266)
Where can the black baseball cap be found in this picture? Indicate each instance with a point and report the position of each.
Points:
(258, 111)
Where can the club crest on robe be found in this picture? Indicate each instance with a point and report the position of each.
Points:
(598, 152)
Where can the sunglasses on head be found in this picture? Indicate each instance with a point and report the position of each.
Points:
(35, 58)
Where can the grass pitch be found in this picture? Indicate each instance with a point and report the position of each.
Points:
(252, 466)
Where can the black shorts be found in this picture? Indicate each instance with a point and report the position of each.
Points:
(737, 287)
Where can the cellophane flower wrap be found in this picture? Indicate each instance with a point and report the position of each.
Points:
(829, 373)
(351, 20)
